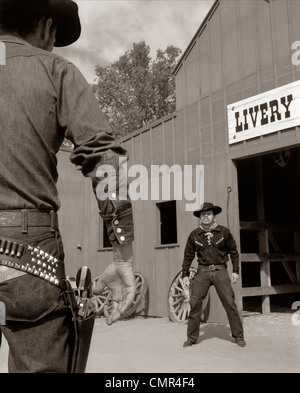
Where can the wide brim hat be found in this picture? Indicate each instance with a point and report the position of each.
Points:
(63, 12)
(207, 206)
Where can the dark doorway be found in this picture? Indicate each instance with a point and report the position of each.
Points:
(269, 210)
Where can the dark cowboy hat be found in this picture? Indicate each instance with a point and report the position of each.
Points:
(63, 12)
(207, 206)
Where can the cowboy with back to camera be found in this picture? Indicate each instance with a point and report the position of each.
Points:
(212, 243)
(44, 98)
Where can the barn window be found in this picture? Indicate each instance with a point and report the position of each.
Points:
(167, 222)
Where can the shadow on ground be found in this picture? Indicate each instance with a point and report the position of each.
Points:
(209, 331)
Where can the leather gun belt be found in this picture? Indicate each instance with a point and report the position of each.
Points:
(32, 260)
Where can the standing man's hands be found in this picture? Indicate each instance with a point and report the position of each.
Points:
(234, 278)
(186, 281)
(120, 278)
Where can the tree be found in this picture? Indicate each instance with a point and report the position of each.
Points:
(136, 90)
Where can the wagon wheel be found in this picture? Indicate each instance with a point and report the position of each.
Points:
(101, 300)
(141, 287)
(179, 299)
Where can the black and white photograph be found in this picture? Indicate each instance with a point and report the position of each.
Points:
(149, 189)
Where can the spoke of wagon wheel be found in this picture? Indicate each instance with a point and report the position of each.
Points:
(177, 301)
(101, 300)
(178, 298)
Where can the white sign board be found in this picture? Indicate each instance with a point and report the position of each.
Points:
(272, 111)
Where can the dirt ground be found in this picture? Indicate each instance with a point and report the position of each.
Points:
(154, 345)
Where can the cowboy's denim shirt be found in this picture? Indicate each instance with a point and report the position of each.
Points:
(212, 248)
(43, 99)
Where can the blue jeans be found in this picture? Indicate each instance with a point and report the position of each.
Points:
(199, 289)
(38, 322)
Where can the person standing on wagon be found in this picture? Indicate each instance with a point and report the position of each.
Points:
(212, 243)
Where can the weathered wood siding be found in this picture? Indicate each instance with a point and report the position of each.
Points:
(241, 49)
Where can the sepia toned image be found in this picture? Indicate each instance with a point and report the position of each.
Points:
(150, 187)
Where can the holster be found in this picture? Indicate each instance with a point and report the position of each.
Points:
(83, 330)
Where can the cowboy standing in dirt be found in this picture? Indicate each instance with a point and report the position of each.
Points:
(212, 243)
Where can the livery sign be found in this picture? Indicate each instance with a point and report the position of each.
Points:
(272, 111)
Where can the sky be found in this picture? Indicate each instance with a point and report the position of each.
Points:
(110, 27)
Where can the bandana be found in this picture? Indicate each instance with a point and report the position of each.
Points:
(207, 233)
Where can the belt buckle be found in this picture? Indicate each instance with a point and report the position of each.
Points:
(212, 268)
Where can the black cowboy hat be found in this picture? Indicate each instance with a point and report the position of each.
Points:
(63, 12)
(207, 206)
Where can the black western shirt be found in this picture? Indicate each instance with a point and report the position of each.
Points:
(212, 248)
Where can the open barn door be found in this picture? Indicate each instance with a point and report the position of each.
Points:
(269, 209)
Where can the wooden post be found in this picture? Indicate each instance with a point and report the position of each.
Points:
(297, 209)
(263, 239)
